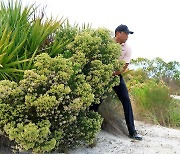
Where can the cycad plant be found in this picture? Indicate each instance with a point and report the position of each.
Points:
(21, 37)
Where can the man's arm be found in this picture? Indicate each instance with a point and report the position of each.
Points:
(119, 72)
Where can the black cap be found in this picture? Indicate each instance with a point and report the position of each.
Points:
(123, 28)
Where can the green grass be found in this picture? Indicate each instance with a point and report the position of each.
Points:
(154, 100)
(174, 113)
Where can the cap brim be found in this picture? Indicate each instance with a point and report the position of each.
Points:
(130, 32)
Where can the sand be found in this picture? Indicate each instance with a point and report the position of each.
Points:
(156, 140)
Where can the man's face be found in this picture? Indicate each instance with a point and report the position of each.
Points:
(121, 37)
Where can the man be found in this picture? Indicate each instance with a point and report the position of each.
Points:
(121, 36)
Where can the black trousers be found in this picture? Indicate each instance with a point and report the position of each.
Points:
(123, 95)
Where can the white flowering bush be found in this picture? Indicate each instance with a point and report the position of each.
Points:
(49, 108)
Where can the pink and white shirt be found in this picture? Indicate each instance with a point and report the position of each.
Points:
(126, 53)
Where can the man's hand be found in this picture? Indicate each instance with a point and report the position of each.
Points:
(119, 72)
(116, 73)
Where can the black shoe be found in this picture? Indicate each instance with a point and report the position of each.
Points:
(135, 136)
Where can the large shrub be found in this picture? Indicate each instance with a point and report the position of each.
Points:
(49, 108)
(44, 110)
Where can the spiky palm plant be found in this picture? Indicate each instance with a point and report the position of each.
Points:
(21, 38)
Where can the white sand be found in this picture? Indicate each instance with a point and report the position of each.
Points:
(156, 140)
(175, 96)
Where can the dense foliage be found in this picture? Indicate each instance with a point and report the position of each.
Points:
(47, 108)
(158, 69)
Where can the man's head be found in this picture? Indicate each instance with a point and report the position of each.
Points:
(121, 33)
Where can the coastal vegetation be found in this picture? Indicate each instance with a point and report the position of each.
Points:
(51, 72)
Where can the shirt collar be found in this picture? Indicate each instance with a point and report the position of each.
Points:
(122, 44)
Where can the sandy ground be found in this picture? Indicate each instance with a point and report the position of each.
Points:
(156, 140)
(113, 138)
